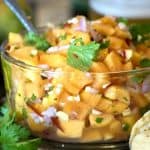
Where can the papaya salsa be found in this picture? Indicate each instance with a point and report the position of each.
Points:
(84, 81)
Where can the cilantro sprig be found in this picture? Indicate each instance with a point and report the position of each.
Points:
(80, 56)
(14, 136)
(99, 119)
(36, 40)
(125, 127)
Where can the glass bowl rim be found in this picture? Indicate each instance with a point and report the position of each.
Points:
(19, 63)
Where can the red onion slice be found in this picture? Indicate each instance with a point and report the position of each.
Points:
(56, 49)
(82, 24)
(146, 85)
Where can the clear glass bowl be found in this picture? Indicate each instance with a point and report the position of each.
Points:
(104, 117)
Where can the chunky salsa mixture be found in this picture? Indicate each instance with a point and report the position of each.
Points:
(90, 80)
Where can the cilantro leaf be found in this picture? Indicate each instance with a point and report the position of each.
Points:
(14, 136)
(26, 145)
(38, 41)
(126, 127)
(145, 62)
(81, 56)
(99, 120)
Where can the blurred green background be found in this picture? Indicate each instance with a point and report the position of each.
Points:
(8, 22)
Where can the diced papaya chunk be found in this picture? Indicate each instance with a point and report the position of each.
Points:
(108, 106)
(128, 66)
(117, 43)
(104, 29)
(108, 20)
(80, 79)
(113, 62)
(15, 38)
(65, 81)
(118, 93)
(122, 33)
(53, 60)
(118, 107)
(90, 99)
(36, 125)
(49, 101)
(136, 58)
(116, 129)
(25, 54)
(101, 120)
(104, 105)
(101, 82)
(99, 67)
(91, 134)
(31, 88)
(85, 36)
(77, 110)
(71, 128)
(129, 121)
(139, 99)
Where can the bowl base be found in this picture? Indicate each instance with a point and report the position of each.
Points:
(53, 145)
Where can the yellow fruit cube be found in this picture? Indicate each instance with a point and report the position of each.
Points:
(53, 60)
(117, 93)
(71, 129)
(101, 120)
(113, 62)
(78, 110)
(90, 99)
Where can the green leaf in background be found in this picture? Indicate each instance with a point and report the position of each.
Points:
(145, 62)
(122, 20)
(140, 32)
(8, 21)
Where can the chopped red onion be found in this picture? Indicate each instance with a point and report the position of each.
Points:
(50, 112)
(56, 49)
(82, 24)
(146, 85)
(43, 66)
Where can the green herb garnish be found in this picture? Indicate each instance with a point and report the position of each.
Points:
(30, 99)
(33, 97)
(145, 62)
(140, 30)
(122, 20)
(19, 94)
(80, 56)
(14, 136)
(99, 120)
(38, 41)
(126, 127)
